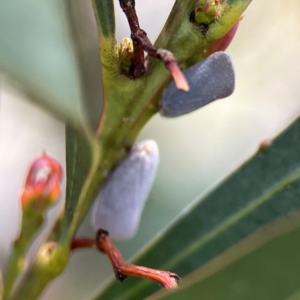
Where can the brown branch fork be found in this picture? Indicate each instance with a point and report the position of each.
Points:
(121, 268)
(142, 43)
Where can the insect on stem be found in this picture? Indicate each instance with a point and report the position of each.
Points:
(139, 37)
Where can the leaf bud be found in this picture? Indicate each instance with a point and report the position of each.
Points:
(42, 185)
(208, 11)
(126, 54)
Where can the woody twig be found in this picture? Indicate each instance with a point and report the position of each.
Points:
(121, 268)
(142, 43)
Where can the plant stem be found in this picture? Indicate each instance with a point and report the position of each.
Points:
(50, 262)
(128, 105)
(31, 223)
(120, 267)
(140, 38)
(123, 269)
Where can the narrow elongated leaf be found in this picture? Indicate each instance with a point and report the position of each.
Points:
(80, 153)
(264, 189)
(38, 54)
(272, 277)
(84, 152)
(295, 296)
(270, 272)
(85, 41)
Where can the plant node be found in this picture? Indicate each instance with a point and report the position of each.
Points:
(142, 43)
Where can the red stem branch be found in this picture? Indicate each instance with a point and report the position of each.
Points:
(139, 36)
(123, 269)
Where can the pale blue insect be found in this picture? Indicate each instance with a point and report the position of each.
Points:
(209, 80)
(120, 203)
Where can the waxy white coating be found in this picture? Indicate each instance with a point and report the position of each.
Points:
(211, 79)
(119, 205)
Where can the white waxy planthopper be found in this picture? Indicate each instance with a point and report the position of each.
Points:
(119, 204)
(211, 79)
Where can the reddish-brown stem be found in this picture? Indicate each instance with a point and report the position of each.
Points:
(139, 36)
(123, 269)
(171, 64)
(82, 243)
(138, 62)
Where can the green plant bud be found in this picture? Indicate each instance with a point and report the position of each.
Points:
(208, 11)
(125, 51)
(45, 252)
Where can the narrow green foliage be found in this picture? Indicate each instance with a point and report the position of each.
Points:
(94, 145)
(29, 33)
(31, 224)
(295, 296)
(82, 158)
(265, 188)
(270, 272)
(105, 17)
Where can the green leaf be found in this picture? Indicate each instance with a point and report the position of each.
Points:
(128, 104)
(82, 159)
(262, 190)
(105, 16)
(41, 54)
(270, 272)
(78, 162)
(295, 296)
(83, 152)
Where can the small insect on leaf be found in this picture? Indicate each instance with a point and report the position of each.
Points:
(119, 204)
(211, 79)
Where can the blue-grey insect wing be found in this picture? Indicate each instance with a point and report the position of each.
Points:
(209, 80)
(119, 205)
